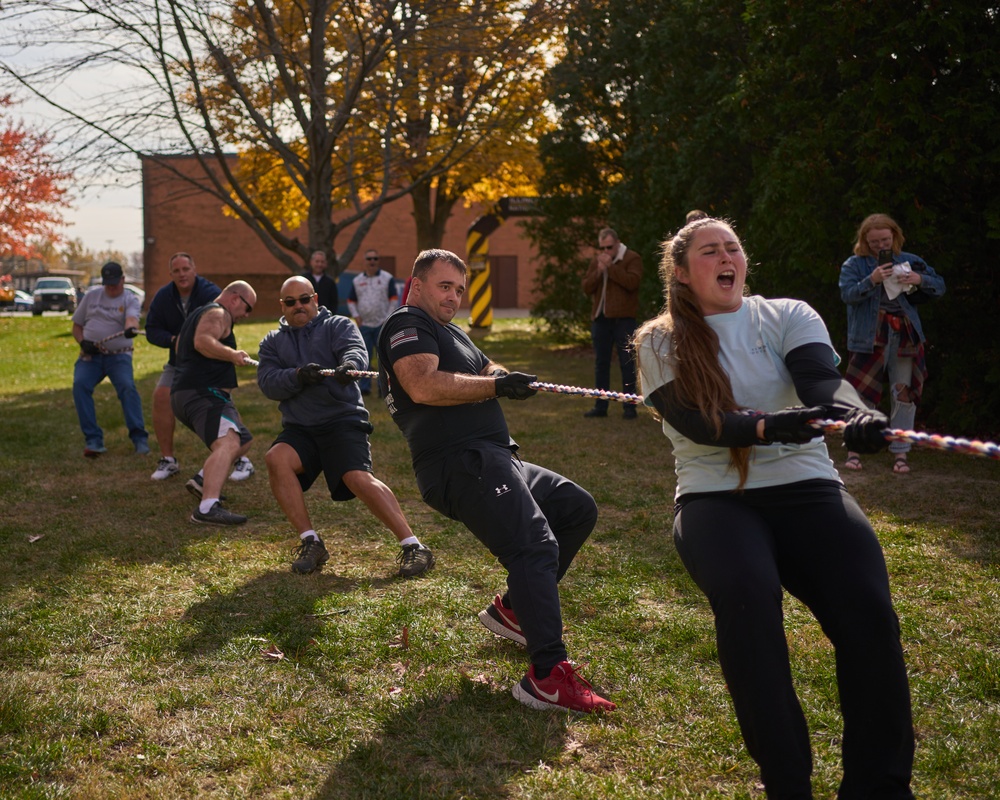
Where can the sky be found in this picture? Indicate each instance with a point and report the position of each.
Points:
(107, 219)
(102, 217)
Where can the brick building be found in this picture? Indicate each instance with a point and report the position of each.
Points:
(178, 216)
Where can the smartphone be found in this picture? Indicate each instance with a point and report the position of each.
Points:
(884, 257)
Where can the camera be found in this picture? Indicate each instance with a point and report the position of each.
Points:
(884, 257)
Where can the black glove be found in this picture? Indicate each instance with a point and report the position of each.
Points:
(514, 385)
(131, 333)
(309, 375)
(791, 425)
(90, 348)
(865, 431)
(340, 373)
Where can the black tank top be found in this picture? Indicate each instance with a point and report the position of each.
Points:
(195, 371)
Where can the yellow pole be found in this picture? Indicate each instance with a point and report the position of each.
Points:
(477, 246)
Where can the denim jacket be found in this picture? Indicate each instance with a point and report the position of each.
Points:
(862, 297)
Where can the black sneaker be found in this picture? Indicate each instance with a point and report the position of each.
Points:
(413, 560)
(596, 412)
(217, 515)
(310, 556)
(630, 412)
(197, 484)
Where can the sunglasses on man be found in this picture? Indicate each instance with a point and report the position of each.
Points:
(304, 299)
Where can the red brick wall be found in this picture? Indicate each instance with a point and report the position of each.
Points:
(180, 217)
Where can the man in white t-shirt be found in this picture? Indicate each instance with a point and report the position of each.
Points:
(105, 311)
(372, 299)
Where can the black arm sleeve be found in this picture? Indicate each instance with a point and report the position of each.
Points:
(817, 381)
(738, 430)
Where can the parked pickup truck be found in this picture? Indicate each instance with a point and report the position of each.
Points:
(53, 294)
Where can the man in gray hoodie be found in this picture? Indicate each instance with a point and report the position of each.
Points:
(325, 425)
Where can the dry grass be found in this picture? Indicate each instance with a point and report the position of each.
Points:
(134, 644)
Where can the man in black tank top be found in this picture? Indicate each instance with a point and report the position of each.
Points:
(442, 391)
(205, 375)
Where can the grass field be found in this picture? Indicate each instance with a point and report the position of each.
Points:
(146, 657)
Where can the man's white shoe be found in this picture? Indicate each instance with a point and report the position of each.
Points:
(242, 469)
(166, 467)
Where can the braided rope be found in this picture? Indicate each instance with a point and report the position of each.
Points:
(100, 343)
(952, 444)
(971, 447)
(603, 394)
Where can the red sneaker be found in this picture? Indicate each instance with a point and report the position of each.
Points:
(564, 688)
(502, 621)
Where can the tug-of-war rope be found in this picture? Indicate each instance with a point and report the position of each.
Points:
(101, 342)
(952, 444)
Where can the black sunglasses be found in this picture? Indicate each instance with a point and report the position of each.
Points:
(303, 299)
(608, 246)
(371, 258)
(249, 307)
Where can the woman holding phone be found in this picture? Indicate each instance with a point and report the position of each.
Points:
(882, 285)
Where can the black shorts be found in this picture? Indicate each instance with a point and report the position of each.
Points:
(331, 451)
(206, 411)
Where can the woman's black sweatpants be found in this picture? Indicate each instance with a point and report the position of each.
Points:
(813, 539)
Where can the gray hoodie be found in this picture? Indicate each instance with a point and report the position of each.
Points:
(328, 340)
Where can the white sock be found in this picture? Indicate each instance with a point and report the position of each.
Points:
(409, 540)
(309, 534)
(201, 472)
(206, 504)
(171, 459)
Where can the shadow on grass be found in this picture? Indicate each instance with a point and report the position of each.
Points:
(468, 744)
(278, 606)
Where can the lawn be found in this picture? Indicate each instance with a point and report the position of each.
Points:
(146, 657)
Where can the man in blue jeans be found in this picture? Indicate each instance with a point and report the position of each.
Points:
(103, 312)
(612, 281)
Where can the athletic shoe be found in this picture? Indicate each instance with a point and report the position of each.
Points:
(502, 621)
(564, 689)
(310, 556)
(413, 560)
(166, 468)
(630, 412)
(217, 515)
(242, 469)
(94, 450)
(196, 485)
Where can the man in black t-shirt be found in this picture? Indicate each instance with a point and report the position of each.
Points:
(442, 391)
(205, 375)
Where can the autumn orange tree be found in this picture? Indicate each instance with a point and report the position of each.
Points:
(452, 112)
(32, 186)
(297, 109)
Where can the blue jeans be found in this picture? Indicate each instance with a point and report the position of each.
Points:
(370, 335)
(612, 333)
(90, 371)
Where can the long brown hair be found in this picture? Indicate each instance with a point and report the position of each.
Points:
(699, 378)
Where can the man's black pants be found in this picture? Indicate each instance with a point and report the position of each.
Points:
(533, 520)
